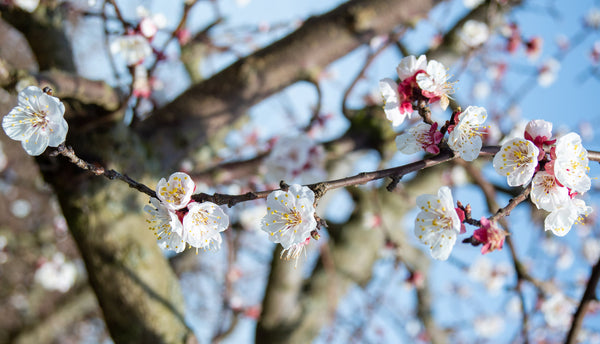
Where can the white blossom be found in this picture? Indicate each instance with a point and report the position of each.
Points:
(465, 138)
(410, 65)
(37, 121)
(290, 218)
(133, 48)
(474, 33)
(177, 192)
(558, 311)
(565, 216)
(56, 274)
(434, 83)
(166, 226)
(517, 160)
(202, 225)
(571, 164)
(546, 193)
(438, 224)
(392, 102)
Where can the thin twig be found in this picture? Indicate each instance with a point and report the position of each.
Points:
(101, 171)
(392, 38)
(588, 296)
(318, 188)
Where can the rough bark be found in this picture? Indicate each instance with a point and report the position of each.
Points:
(137, 290)
(219, 100)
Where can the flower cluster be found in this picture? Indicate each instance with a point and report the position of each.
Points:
(177, 221)
(557, 169)
(290, 219)
(419, 79)
(37, 121)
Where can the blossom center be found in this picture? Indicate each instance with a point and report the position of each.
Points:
(292, 219)
(521, 156)
(199, 218)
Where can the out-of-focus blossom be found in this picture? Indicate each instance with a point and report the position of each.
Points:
(493, 276)
(242, 3)
(133, 48)
(481, 90)
(497, 71)
(488, 326)
(470, 4)
(474, 33)
(141, 84)
(150, 23)
(547, 72)
(533, 47)
(558, 311)
(27, 5)
(297, 159)
(586, 130)
(562, 42)
(513, 35)
(591, 250)
(21, 208)
(592, 18)
(566, 258)
(56, 274)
